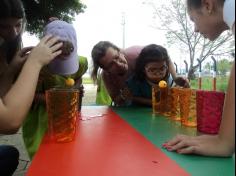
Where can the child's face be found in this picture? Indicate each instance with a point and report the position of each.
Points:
(156, 71)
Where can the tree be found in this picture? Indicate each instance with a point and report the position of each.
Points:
(180, 32)
(208, 67)
(39, 11)
(223, 66)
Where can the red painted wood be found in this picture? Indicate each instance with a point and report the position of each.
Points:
(104, 146)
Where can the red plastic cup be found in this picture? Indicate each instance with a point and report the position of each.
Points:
(209, 111)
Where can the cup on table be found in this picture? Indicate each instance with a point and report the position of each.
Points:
(175, 108)
(62, 108)
(187, 100)
(159, 99)
(209, 111)
(168, 103)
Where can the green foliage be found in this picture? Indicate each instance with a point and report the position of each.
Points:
(39, 11)
(223, 66)
(208, 66)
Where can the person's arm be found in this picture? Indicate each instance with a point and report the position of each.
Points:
(11, 71)
(172, 70)
(6, 80)
(16, 103)
(113, 88)
(222, 144)
(227, 128)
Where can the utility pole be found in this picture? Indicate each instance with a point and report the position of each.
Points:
(123, 26)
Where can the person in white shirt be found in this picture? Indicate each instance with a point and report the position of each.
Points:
(211, 18)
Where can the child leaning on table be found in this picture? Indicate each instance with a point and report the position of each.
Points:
(35, 125)
(152, 66)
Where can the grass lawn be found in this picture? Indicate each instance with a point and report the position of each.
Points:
(207, 83)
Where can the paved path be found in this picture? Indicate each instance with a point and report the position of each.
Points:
(16, 139)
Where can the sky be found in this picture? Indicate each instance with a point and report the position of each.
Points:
(102, 20)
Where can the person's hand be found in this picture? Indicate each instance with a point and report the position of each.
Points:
(47, 49)
(207, 145)
(182, 144)
(19, 59)
(124, 96)
(182, 82)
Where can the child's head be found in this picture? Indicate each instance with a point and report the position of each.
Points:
(67, 62)
(152, 63)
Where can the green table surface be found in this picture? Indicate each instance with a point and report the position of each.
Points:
(158, 129)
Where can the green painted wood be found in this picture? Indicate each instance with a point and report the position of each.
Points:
(158, 129)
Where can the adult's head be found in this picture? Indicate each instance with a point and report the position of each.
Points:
(152, 63)
(207, 16)
(12, 22)
(107, 56)
(12, 18)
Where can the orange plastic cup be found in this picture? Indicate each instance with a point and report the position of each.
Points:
(62, 108)
(188, 107)
(175, 107)
(159, 100)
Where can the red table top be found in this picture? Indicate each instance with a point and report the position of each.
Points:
(104, 146)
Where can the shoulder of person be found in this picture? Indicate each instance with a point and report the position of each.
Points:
(133, 51)
(83, 67)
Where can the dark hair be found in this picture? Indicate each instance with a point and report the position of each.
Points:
(98, 52)
(12, 9)
(196, 4)
(150, 53)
